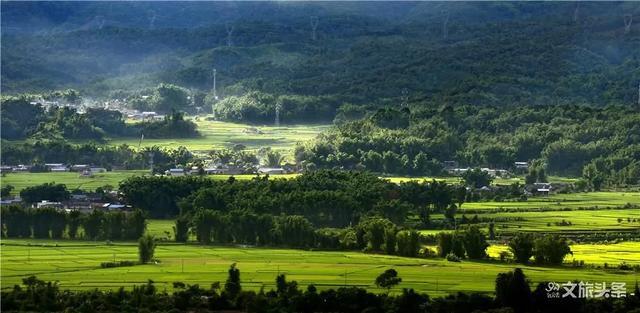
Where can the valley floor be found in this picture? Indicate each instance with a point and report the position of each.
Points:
(76, 265)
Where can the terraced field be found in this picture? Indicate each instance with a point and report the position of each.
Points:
(75, 265)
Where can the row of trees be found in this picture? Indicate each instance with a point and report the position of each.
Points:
(243, 227)
(512, 294)
(326, 198)
(20, 222)
(547, 249)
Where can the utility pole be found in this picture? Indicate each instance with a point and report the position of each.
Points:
(576, 11)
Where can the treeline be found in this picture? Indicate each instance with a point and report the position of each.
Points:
(373, 234)
(20, 222)
(326, 198)
(39, 152)
(561, 139)
(22, 120)
(513, 294)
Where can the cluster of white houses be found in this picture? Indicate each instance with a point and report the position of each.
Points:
(229, 170)
(452, 168)
(85, 202)
(84, 169)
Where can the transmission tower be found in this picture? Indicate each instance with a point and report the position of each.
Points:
(445, 25)
(314, 26)
(404, 98)
(100, 20)
(229, 33)
(278, 109)
(628, 18)
(152, 20)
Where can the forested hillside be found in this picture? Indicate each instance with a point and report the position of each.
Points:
(374, 54)
(601, 144)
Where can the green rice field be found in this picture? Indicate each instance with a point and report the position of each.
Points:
(581, 220)
(73, 180)
(561, 201)
(218, 135)
(76, 265)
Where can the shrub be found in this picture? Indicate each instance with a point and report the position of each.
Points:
(451, 257)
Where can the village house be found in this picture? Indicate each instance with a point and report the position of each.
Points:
(271, 170)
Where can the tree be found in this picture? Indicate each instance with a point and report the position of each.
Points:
(375, 232)
(477, 178)
(5, 191)
(388, 279)
(232, 286)
(408, 243)
(512, 290)
(450, 243)
(169, 97)
(74, 220)
(550, 249)
(273, 159)
(390, 241)
(521, 246)
(181, 229)
(492, 231)
(593, 176)
(136, 224)
(146, 248)
(46, 191)
(475, 243)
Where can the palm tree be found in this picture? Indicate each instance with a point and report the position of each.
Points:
(273, 159)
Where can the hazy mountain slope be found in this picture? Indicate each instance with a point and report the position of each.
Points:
(493, 53)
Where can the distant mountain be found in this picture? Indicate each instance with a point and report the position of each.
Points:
(364, 52)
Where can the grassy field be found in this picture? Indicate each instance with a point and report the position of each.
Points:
(581, 220)
(73, 180)
(75, 265)
(560, 201)
(217, 135)
(598, 254)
